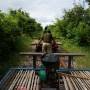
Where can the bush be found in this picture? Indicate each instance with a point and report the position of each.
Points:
(13, 25)
(75, 25)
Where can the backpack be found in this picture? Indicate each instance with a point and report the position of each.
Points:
(50, 58)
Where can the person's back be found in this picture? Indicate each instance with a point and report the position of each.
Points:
(47, 37)
(46, 41)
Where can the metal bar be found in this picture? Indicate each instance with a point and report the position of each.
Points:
(72, 69)
(31, 53)
(39, 37)
(59, 70)
(70, 61)
(37, 43)
(32, 68)
(58, 54)
(34, 61)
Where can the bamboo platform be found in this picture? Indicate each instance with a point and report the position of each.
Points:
(20, 80)
(77, 80)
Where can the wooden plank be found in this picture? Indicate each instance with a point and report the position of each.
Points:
(31, 53)
(86, 74)
(6, 83)
(58, 54)
(2, 82)
(86, 82)
(37, 83)
(69, 83)
(40, 38)
(14, 81)
(77, 82)
(74, 76)
(69, 54)
(30, 78)
(65, 83)
(25, 78)
(5, 78)
(80, 82)
(76, 88)
(19, 79)
(11, 80)
(32, 82)
(37, 43)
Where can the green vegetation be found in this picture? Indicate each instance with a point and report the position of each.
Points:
(16, 31)
(88, 2)
(70, 46)
(74, 31)
(75, 25)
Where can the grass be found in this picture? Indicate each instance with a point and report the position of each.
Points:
(23, 44)
(81, 62)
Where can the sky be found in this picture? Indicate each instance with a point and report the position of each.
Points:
(44, 11)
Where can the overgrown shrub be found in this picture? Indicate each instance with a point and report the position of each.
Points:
(13, 25)
(75, 25)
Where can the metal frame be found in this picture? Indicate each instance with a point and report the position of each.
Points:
(70, 56)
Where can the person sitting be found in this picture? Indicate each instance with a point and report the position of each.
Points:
(46, 41)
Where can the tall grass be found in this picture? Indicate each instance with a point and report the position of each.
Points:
(81, 62)
(22, 44)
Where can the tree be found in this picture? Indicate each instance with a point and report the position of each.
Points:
(88, 2)
(75, 25)
(13, 25)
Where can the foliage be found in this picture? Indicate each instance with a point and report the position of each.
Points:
(13, 25)
(81, 62)
(88, 2)
(75, 25)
